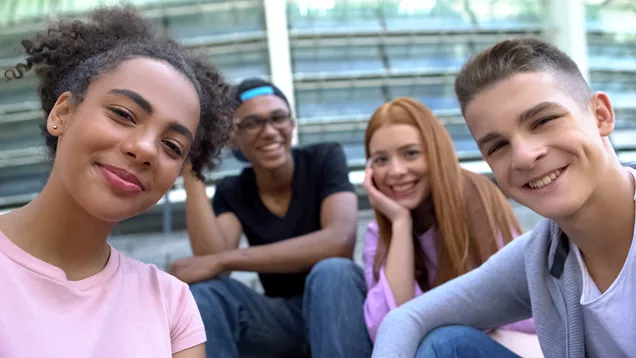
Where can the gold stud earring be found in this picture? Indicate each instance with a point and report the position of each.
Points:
(54, 127)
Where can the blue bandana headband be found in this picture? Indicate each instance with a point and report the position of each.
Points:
(255, 92)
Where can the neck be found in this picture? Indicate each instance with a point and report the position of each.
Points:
(603, 229)
(56, 229)
(272, 181)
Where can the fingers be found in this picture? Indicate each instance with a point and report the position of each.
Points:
(368, 176)
(187, 166)
(377, 199)
(187, 163)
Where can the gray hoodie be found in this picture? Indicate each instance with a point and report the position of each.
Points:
(536, 267)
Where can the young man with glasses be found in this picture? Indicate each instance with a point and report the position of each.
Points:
(297, 209)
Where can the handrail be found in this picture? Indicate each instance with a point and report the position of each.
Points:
(356, 176)
(296, 33)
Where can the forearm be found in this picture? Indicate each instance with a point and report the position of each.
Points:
(203, 230)
(293, 255)
(400, 266)
(197, 351)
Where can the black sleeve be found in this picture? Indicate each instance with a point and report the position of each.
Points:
(335, 172)
(222, 197)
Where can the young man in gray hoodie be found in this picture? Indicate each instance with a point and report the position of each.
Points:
(545, 136)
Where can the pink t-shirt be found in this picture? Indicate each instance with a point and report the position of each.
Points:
(129, 309)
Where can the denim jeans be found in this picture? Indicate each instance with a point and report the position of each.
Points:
(461, 341)
(327, 321)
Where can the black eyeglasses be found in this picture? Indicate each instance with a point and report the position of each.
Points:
(256, 123)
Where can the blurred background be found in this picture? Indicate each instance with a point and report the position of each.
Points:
(337, 60)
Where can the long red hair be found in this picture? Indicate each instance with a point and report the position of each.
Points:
(470, 212)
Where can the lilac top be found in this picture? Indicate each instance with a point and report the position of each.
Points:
(380, 299)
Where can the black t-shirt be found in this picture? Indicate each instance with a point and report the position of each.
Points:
(319, 171)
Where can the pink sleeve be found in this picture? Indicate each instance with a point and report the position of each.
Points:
(371, 238)
(380, 299)
(525, 326)
(186, 325)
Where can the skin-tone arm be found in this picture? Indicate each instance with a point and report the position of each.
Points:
(194, 352)
(208, 234)
(338, 220)
(399, 269)
(400, 261)
(218, 241)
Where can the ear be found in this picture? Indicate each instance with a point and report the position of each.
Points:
(60, 115)
(603, 112)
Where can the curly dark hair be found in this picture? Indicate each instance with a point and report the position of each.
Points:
(69, 55)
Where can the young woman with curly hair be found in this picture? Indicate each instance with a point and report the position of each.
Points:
(124, 108)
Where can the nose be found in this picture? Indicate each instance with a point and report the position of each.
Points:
(526, 153)
(397, 168)
(141, 147)
(268, 130)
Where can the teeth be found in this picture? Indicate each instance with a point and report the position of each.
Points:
(403, 187)
(545, 180)
(270, 147)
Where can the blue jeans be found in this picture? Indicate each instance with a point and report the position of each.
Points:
(327, 321)
(461, 341)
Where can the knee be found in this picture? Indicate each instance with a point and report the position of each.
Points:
(207, 288)
(334, 270)
(449, 334)
(447, 339)
(334, 267)
(207, 295)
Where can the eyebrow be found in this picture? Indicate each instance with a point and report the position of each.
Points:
(524, 117)
(176, 127)
(136, 97)
(143, 103)
(406, 146)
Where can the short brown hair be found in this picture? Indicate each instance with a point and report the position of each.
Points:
(521, 55)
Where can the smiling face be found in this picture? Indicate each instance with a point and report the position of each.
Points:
(264, 131)
(122, 147)
(545, 149)
(399, 167)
